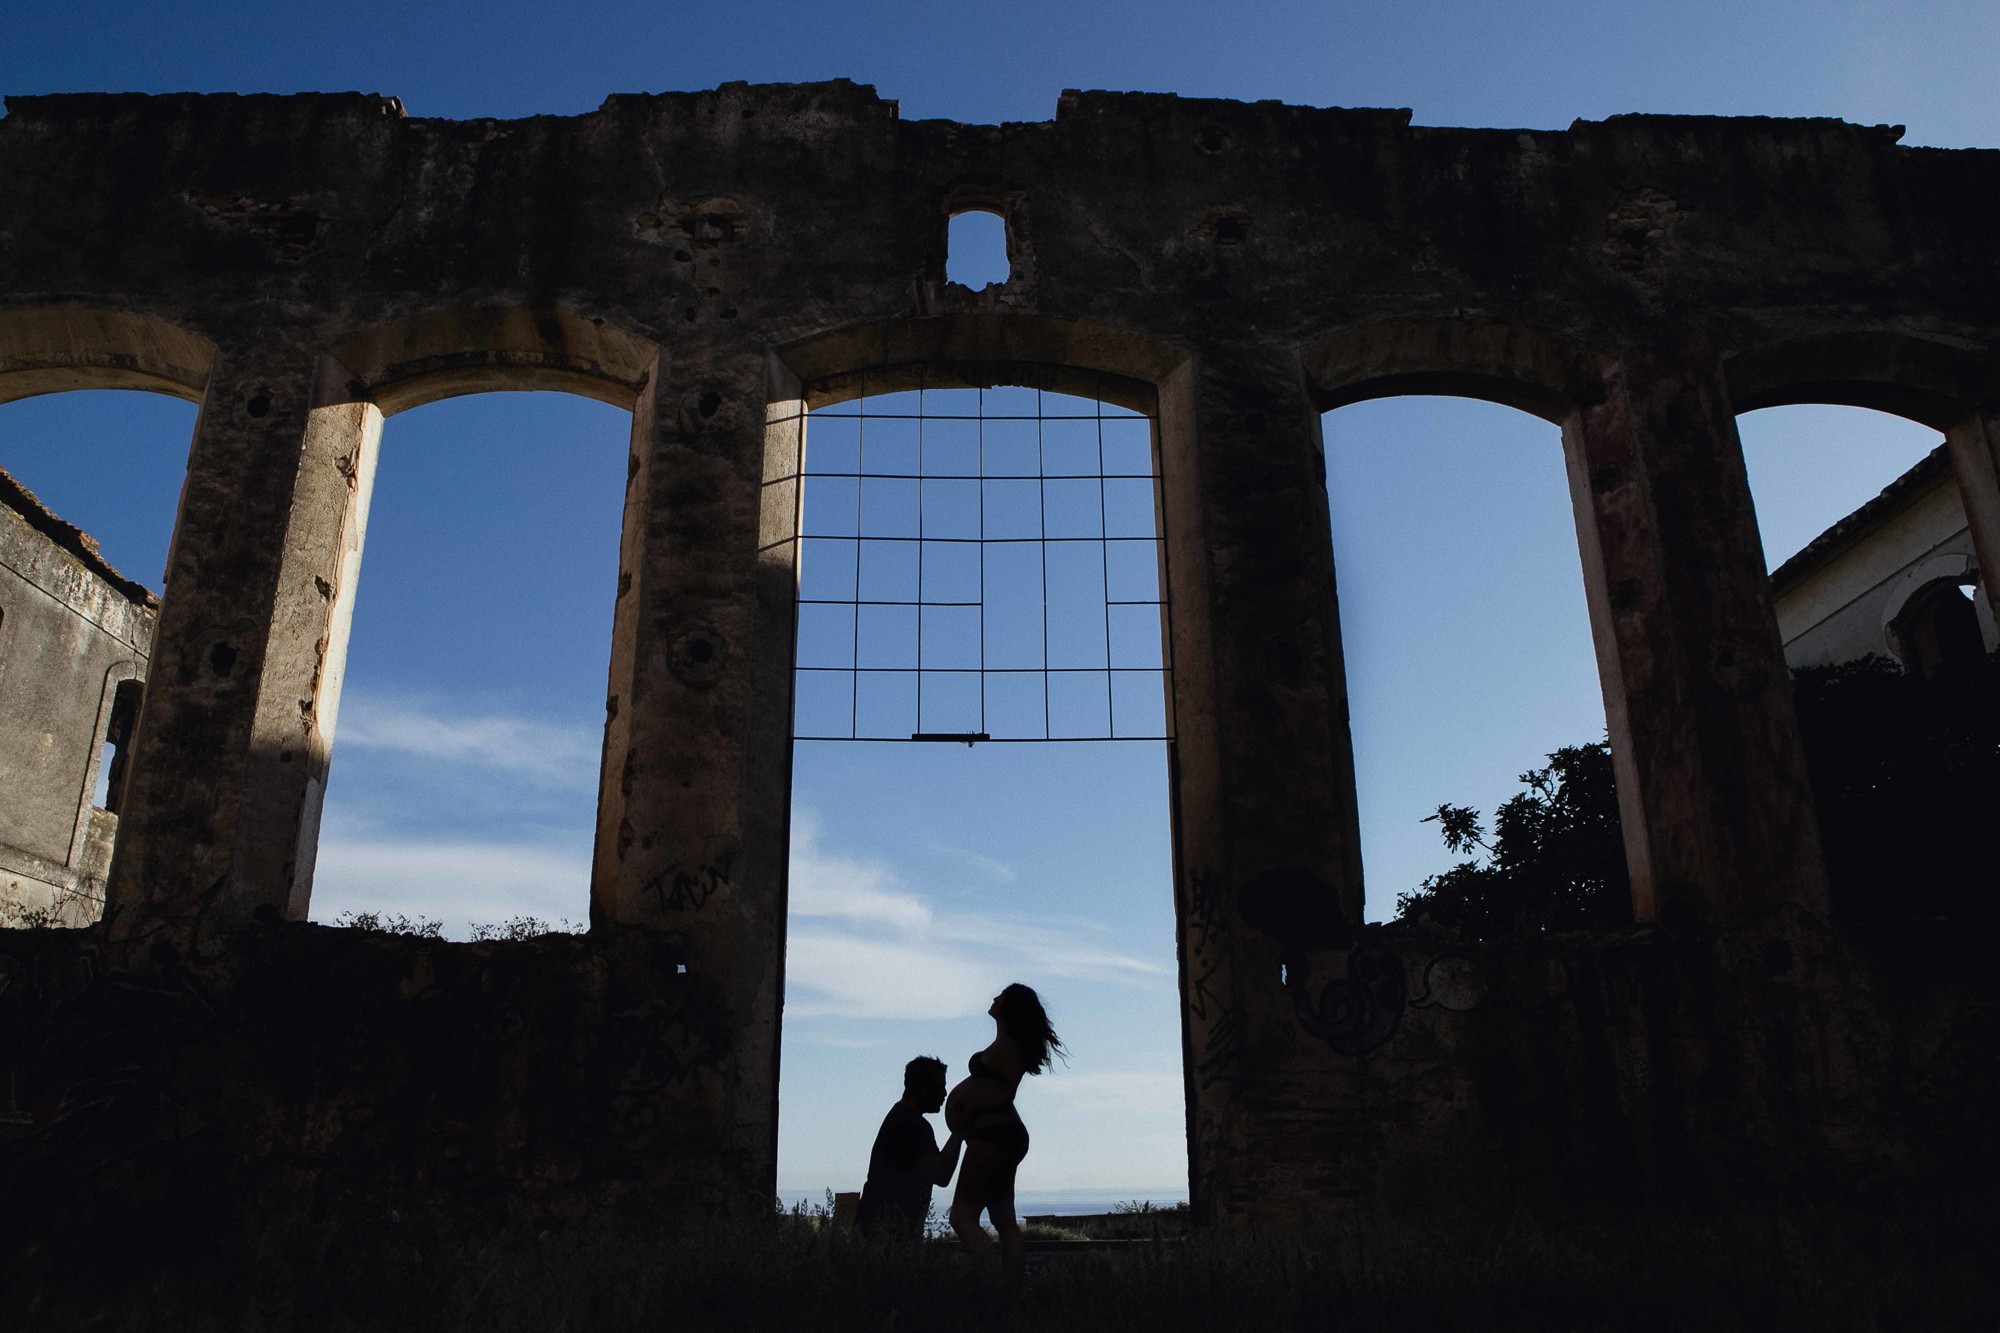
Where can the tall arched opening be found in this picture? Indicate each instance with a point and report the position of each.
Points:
(980, 777)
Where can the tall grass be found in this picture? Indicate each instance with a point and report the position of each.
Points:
(436, 1270)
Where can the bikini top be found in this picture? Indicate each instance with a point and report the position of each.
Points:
(978, 1068)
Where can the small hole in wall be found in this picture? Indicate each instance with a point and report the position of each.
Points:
(976, 250)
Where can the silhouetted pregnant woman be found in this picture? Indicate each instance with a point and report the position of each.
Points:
(981, 1111)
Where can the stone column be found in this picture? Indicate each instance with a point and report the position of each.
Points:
(1268, 859)
(299, 700)
(230, 754)
(1975, 461)
(1712, 785)
(694, 816)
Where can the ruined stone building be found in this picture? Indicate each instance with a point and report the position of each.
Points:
(74, 638)
(1897, 578)
(721, 262)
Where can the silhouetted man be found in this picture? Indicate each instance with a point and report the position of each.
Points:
(906, 1162)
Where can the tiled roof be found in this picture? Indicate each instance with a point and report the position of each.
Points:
(1918, 481)
(15, 496)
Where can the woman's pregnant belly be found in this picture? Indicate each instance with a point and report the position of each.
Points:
(972, 1098)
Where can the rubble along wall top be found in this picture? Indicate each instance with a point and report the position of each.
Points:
(789, 210)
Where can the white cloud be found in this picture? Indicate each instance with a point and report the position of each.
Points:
(541, 753)
(832, 974)
(863, 945)
(452, 882)
(826, 884)
(866, 946)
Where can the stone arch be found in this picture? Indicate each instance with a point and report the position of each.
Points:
(1934, 383)
(454, 351)
(1545, 376)
(52, 349)
(1513, 365)
(365, 378)
(1946, 386)
(983, 348)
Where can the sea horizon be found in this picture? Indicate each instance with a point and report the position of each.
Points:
(1081, 1201)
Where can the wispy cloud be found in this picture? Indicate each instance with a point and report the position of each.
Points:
(540, 753)
(826, 884)
(864, 945)
(985, 865)
(455, 882)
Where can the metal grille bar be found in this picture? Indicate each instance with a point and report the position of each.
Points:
(910, 621)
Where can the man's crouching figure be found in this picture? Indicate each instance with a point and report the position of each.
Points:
(906, 1162)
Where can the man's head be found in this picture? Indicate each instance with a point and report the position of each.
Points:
(923, 1082)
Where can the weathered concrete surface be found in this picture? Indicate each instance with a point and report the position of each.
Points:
(714, 260)
(72, 629)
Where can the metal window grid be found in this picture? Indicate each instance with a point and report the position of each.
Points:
(1135, 700)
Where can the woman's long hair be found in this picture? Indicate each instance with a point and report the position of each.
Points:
(1024, 1019)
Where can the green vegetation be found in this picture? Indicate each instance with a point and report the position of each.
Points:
(1556, 862)
(423, 927)
(1148, 1206)
(1905, 775)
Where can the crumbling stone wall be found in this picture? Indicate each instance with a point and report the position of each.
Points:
(720, 261)
(73, 631)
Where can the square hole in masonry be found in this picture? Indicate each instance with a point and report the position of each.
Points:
(1135, 637)
(888, 571)
(1079, 705)
(826, 635)
(1014, 609)
(950, 637)
(885, 705)
(1014, 705)
(1128, 507)
(1138, 704)
(888, 445)
(1071, 507)
(1069, 448)
(950, 701)
(1132, 570)
(951, 507)
(828, 508)
(1128, 446)
(888, 637)
(1011, 449)
(823, 704)
(1013, 509)
(951, 448)
(951, 571)
(888, 507)
(833, 444)
(1010, 400)
(826, 569)
(1076, 604)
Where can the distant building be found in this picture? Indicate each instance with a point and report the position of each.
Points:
(1896, 578)
(75, 637)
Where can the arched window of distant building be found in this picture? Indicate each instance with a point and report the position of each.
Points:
(1937, 631)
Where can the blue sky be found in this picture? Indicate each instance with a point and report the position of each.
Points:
(926, 876)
